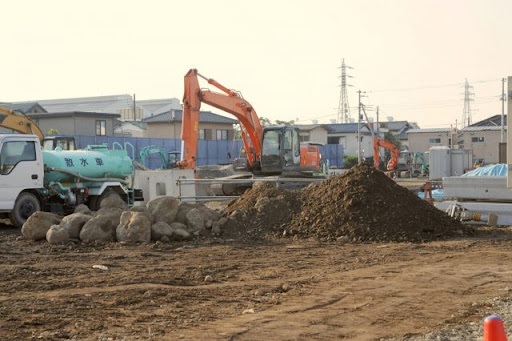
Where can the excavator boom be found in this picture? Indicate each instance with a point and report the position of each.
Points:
(19, 122)
(228, 101)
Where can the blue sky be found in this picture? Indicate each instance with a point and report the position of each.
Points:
(410, 57)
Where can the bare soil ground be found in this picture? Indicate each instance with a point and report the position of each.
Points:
(301, 290)
(381, 280)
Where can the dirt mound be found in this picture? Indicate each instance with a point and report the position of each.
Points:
(360, 205)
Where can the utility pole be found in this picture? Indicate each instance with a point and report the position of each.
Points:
(466, 115)
(343, 106)
(359, 158)
(503, 99)
(134, 109)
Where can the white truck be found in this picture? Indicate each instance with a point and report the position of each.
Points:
(33, 179)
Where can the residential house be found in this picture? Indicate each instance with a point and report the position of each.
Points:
(420, 140)
(130, 128)
(399, 130)
(67, 122)
(211, 126)
(484, 138)
(76, 123)
(346, 134)
(315, 133)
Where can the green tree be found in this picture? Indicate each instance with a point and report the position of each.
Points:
(53, 131)
(265, 121)
(349, 161)
(286, 123)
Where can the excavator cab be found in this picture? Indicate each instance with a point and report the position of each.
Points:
(280, 153)
(58, 141)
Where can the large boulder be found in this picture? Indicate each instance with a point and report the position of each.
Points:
(83, 209)
(183, 209)
(180, 232)
(57, 234)
(99, 229)
(162, 231)
(73, 223)
(38, 224)
(114, 201)
(163, 209)
(201, 218)
(113, 213)
(134, 227)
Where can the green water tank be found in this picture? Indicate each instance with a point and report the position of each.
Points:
(93, 162)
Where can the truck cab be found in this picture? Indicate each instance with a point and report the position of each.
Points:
(21, 175)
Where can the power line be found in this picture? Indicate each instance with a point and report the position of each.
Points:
(438, 86)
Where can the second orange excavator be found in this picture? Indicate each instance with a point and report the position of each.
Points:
(395, 152)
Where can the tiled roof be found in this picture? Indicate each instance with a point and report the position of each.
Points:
(158, 106)
(104, 104)
(23, 107)
(73, 113)
(204, 116)
(398, 125)
(139, 124)
(309, 127)
(483, 128)
(430, 130)
(345, 127)
(491, 121)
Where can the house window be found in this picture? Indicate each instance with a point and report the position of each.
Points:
(477, 139)
(222, 134)
(434, 140)
(205, 134)
(304, 137)
(101, 128)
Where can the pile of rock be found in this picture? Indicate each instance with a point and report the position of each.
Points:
(162, 219)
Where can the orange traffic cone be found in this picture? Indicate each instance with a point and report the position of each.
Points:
(494, 329)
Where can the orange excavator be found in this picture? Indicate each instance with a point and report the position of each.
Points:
(395, 152)
(274, 150)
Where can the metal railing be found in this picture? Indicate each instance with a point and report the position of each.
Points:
(204, 192)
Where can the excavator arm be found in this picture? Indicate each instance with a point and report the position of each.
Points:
(228, 101)
(395, 153)
(19, 122)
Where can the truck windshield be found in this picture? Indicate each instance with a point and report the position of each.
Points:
(14, 152)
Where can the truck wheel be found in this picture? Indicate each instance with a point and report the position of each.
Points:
(25, 206)
(95, 202)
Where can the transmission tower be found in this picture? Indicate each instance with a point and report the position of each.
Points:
(468, 98)
(343, 106)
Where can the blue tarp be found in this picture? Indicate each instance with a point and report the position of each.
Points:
(499, 169)
(436, 194)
